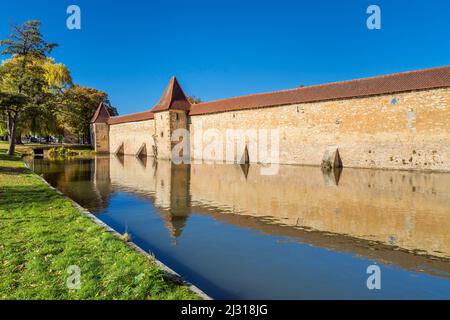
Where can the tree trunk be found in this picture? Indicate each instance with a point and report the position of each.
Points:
(88, 138)
(18, 138)
(12, 128)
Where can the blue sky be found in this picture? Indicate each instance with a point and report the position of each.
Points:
(219, 49)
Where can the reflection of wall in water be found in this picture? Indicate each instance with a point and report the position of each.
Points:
(398, 208)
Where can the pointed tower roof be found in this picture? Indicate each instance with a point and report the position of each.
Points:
(101, 115)
(173, 98)
(176, 224)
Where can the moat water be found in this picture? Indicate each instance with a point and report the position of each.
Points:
(300, 234)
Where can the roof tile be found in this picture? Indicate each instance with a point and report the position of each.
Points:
(101, 115)
(173, 98)
(135, 117)
(394, 83)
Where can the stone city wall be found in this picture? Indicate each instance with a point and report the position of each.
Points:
(132, 135)
(400, 131)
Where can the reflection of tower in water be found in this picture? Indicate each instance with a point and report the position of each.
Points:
(176, 208)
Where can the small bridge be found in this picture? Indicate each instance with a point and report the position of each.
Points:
(38, 152)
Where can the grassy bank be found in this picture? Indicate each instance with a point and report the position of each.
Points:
(27, 149)
(42, 234)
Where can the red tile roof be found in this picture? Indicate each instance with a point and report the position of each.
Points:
(101, 115)
(394, 83)
(135, 117)
(173, 98)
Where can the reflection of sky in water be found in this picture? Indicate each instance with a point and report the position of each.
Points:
(266, 253)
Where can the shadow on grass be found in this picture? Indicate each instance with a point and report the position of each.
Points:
(5, 157)
(12, 197)
(13, 171)
(16, 193)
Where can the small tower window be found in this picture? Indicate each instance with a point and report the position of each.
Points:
(162, 134)
(177, 116)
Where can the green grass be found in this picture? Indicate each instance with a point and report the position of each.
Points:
(42, 234)
(27, 149)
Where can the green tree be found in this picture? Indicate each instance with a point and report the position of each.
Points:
(6, 100)
(45, 88)
(80, 104)
(43, 119)
(26, 44)
(3, 129)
